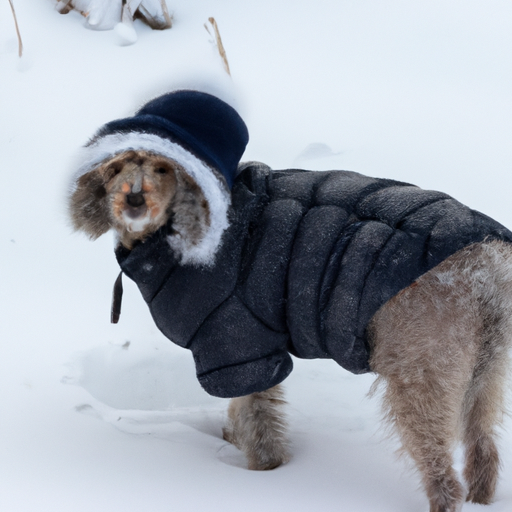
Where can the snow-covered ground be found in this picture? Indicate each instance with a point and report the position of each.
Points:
(96, 417)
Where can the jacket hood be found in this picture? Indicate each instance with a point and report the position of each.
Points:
(202, 133)
(202, 124)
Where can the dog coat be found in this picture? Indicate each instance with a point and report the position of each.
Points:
(306, 261)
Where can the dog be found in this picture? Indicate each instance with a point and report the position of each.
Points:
(439, 346)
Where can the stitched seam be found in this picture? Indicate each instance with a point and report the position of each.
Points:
(162, 284)
(238, 364)
(341, 235)
(375, 258)
(417, 209)
(254, 315)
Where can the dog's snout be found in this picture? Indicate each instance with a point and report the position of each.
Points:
(137, 185)
(135, 199)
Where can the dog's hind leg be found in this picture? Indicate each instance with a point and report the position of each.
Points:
(257, 426)
(425, 410)
(425, 342)
(483, 413)
(441, 346)
(485, 405)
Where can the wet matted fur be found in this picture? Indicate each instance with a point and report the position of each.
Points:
(440, 347)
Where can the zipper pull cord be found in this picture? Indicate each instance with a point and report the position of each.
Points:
(117, 298)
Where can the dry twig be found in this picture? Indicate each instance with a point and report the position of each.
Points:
(20, 44)
(220, 46)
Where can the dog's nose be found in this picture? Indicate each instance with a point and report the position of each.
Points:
(135, 199)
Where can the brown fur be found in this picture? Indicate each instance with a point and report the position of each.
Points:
(101, 200)
(257, 427)
(440, 347)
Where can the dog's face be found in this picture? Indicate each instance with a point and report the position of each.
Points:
(137, 192)
(130, 193)
(140, 187)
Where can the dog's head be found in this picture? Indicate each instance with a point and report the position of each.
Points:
(135, 193)
(172, 164)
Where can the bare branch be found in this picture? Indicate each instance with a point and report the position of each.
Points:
(20, 44)
(220, 46)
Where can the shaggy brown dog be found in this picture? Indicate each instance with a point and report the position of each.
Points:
(440, 346)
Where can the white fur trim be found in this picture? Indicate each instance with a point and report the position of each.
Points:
(214, 191)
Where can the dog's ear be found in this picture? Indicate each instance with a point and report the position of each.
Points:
(88, 205)
(190, 210)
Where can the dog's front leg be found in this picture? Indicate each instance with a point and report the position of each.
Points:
(257, 427)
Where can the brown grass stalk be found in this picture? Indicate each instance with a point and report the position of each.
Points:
(20, 44)
(220, 46)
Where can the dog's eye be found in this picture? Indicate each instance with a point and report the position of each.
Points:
(161, 170)
(99, 192)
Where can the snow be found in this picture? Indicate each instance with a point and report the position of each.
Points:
(110, 417)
